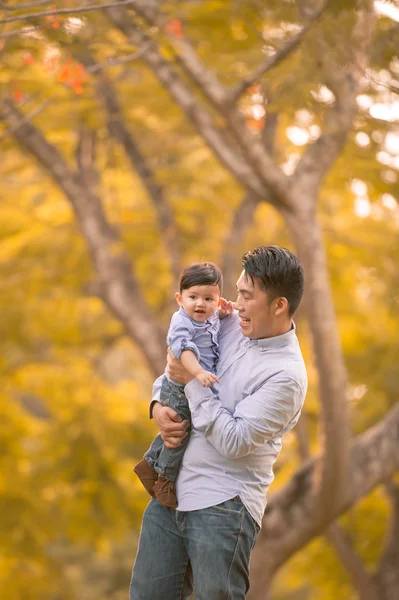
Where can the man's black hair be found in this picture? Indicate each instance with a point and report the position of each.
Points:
(203, 273)
(278, 271)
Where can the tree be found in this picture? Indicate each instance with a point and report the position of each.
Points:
(236, 112)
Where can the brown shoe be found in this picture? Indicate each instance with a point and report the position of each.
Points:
(165, 492)
(146, 475)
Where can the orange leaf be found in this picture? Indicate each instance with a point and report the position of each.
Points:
(175, 28)
(28, 59)
(77, 88)
(18, 95)
(255, 124)
(65, 74)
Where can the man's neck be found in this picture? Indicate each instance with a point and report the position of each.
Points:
(280, 330)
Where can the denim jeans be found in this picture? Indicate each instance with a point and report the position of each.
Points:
(166, 461)
(207, 550)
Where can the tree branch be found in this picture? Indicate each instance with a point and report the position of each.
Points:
(206, 80)
(255, 153)
(242, 219)
(24, 6)
(289, 522)
(362, 581)
(119, 289)
(117, 128)
(269, 63)
(23, 31)
(27, 118)
(198, 115)
(388, 573)
(115, 61)
(301, 432)
(65, 11)
(320, 155)
(337, 537)
(85, 158)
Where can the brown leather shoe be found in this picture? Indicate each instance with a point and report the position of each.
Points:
(146, 475)
(165, 492)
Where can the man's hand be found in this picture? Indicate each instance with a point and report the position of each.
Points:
(171, 427)
(206, 378)
(176, 371)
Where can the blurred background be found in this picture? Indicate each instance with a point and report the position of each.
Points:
(137, 137)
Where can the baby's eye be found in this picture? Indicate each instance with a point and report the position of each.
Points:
(209, 299)
(192, 297)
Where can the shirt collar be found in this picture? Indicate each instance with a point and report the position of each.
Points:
(277, 341)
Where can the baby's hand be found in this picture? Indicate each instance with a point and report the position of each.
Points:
(206, 378)
(225, 308)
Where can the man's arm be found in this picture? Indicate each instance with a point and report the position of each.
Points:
(256, 420)
(172, 429)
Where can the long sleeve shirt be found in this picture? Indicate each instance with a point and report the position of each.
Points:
(236, 434)
(201, 338)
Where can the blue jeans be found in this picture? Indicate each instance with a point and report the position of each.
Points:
(207, 549)
(166, 461)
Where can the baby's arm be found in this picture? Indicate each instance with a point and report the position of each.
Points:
(184, 349)
(191, 364)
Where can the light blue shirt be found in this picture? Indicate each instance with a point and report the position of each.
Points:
(236, 435)
(201, 338)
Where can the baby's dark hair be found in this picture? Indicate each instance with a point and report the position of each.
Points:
(203, 273)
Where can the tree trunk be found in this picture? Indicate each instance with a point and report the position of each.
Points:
(318, 305)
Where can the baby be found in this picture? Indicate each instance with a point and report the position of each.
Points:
(193, 338)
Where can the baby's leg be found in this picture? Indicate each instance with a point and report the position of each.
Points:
(145, 468)
(169, 459)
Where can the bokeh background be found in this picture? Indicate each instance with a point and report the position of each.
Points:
(137, 137)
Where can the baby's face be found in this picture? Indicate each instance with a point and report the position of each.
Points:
(200, 301)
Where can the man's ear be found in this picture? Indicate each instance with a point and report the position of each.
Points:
(281, 306)
(179, 299)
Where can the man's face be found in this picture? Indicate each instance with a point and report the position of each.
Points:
(257, 314)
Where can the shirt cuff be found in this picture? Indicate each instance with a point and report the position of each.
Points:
(152, 407)
(179, 347)
(197, 393)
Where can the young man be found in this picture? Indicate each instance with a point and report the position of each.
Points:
(235, 440)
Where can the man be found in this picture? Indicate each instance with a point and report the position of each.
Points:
(236, 436)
